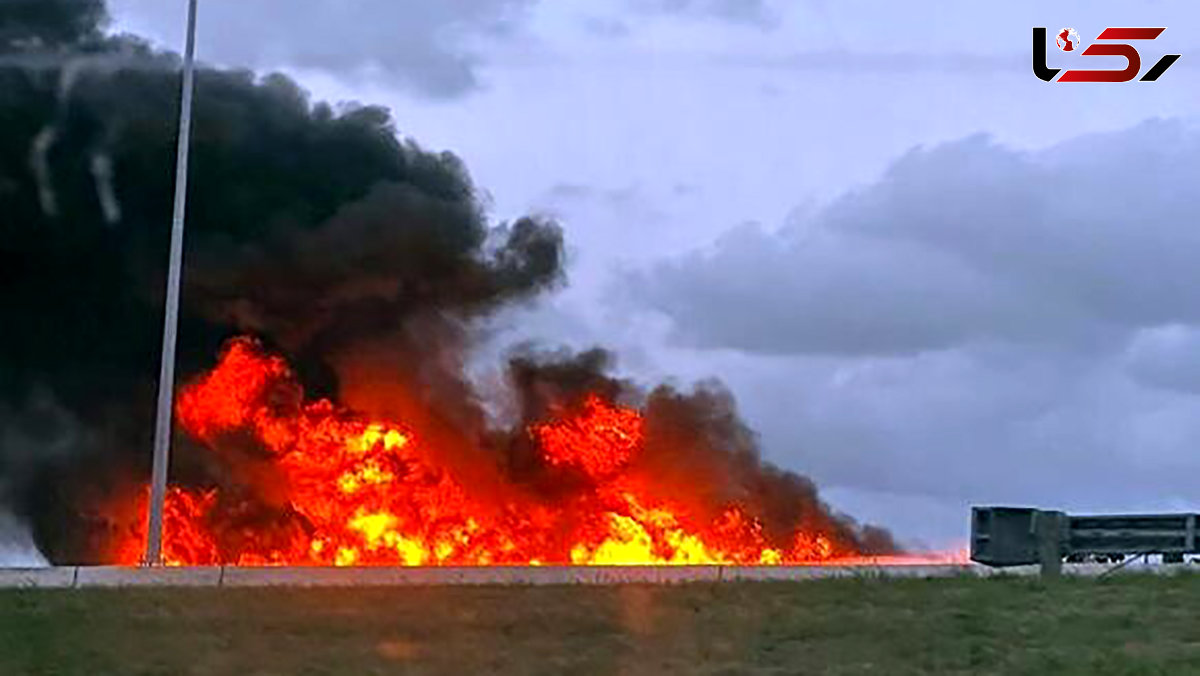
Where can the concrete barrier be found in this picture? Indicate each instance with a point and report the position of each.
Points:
(233, 576)
(486, 575)
(37, 577)
(128, 576)
(790, 573)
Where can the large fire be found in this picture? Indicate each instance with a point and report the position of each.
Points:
(354, 491)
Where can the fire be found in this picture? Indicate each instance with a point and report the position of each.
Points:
(600, 441)
(351, 491)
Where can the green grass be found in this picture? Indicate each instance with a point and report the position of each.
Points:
(1125, 625)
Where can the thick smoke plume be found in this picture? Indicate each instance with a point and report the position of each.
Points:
(365, 259)
(697, 450)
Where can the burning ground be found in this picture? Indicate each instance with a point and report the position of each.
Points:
(336, 282)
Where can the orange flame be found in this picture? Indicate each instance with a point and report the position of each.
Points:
(352, 491)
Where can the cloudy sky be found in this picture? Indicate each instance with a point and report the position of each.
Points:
(931, 279)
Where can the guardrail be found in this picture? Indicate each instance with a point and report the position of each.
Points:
(1015, 536)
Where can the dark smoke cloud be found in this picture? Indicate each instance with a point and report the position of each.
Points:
(697, 440)
(697, 450)
(32, 24)
(309, 225)
(363, 258)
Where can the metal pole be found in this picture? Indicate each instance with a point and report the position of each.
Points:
(166, 374)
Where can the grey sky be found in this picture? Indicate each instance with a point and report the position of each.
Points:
(966, 242)
(930, 278)
(428, 48)
(753, 12)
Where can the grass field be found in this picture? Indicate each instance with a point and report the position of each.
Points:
(1122, 625)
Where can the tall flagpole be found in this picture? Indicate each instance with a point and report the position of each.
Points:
(166, 374)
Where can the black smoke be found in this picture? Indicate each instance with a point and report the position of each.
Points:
(363, 258)
(49, 24)
(310, 225)
(697, 450)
